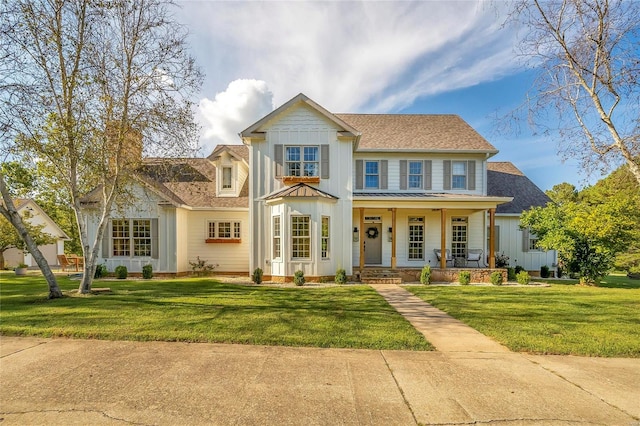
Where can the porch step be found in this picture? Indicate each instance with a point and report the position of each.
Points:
(380, 276)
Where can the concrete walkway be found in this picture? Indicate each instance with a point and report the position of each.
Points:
(446, 333)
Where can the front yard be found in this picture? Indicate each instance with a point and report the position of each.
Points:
(203, 310)
(561, 319)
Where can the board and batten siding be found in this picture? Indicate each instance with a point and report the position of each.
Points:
(512, 245)
(300, 126)
(433, 171)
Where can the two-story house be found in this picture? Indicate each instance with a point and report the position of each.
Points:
(315, 191)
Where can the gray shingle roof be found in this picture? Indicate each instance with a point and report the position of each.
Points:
(240, 151)
(387, 132)
(505, 180)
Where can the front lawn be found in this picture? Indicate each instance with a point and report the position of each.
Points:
(561, 319)
(203, 310)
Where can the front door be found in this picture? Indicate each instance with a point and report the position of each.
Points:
(373, 244)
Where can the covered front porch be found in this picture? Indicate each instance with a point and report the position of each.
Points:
(400, 234)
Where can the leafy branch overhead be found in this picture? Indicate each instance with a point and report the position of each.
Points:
(588, 82)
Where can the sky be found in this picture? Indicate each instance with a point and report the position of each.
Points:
(426, 57)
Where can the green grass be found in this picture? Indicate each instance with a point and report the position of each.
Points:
(561, 319)
(203, 310)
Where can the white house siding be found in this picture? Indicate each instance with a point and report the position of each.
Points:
(182, 250)
(476, 234)
(437, 170)
(511, 244)
(230, 257)
(300, 126)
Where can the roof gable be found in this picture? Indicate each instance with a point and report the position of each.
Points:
(300, 99)
(506, 180)
(29, 204)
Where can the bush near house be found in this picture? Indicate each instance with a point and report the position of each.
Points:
(544, 271)
(298, 278)
(496, 278)
(464, 277)
(425, 275)
(121, 272)
(147, 272)
(523, 278)
(256, 277)
(341, 276)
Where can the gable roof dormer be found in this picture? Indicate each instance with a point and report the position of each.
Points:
(232, 169)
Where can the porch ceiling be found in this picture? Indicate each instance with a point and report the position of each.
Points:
(426, 200)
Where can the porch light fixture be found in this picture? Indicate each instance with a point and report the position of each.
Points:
(356, 235)
(390, 236)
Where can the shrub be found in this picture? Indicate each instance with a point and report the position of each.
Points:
(425, 275)
(256, 277)
(298, 278)
(511, 274)
(121, 272)
(464, 277)
(496, 278)
(559, 272)
(341, 276)
(201, 267)
(101, 271)
(523, 278)
(147, 272)
(519, 269)
(544, 271)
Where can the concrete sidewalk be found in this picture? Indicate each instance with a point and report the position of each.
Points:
(60, 381)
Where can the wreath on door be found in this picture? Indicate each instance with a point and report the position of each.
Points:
(372, 233)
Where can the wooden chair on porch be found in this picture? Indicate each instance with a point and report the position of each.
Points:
(447, 253)
(65, 263)
(475, 255)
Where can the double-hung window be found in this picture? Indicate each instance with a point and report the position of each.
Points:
(459, 235)
(302, 161)
(459, 175)
(415, 175)
(226, 178)
(372, 174)
(416, 238)
(277, 238)
(324, 240)
(300, 237)
(131, 237)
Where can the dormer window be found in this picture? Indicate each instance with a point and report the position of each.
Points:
(227, 173)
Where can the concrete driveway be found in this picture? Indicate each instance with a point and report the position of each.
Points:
(60, 381)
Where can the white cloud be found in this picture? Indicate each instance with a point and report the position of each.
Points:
(241, 104)
(351, 56)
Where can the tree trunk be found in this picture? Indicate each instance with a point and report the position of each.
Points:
(9, 211)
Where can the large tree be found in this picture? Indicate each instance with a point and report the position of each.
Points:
(93, 86)
(588, 86)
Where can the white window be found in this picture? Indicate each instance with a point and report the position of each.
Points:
(459, 237)
(223, 230)
(226, 177)
(416, 238)
(371, 174)
(277, 239)
(302, 161)
(533, 242)
(131, 236)
(459, 175)
(324, 240)
(415, 175)
(300, 237)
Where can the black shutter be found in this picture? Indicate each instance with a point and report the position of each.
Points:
(154, 238)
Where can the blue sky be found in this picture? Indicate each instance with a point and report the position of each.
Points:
(430, 57)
